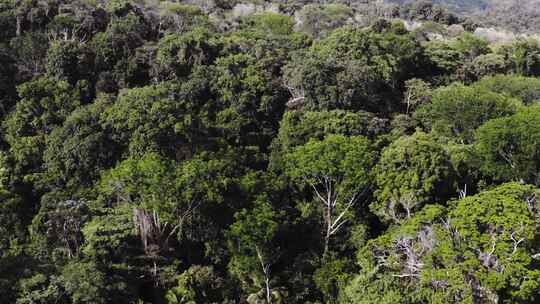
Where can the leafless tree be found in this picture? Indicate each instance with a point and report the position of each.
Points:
(335, 208)
(516, 240)
(154, 234)
(265, 267)
(406, 202)
(417, 92)
(412, 264)
(297, 96)
(185, 213)
(463, 192)
(64, 224)
(489, 259)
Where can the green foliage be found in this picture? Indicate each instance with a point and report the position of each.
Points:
(122, 37)
(181, 195)
(457, 110)
(147, 182)
(109, 236)
(179, 17)
(527, 89)
(44, 105)
(479, 249)
(487, 65)
(274, 24)
(178, 53)
(56, 229)
(319, 20)
(252, 102)
(332, 277)
(253, 235)
(523, 56)
(354, 69)
(417, 92)
(198, 284)
(12, 220)
(155, 118)
(30, 50)
(413, 171)
(338, 172)
(346, 161)
(242, 151)
(69, 61)
(508, 148)
(84, 283)
(454, 57)
(469, 46)
(76, 152)
(38, 289)
(298, 127)
(8, 91)
(256, 227)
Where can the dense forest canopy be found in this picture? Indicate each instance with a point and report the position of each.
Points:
(287, 151)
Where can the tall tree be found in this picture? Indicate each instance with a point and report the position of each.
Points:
(338, 171)
(413, 171)
(508, 148)
(456, 111)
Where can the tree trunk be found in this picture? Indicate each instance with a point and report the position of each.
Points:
(19, 26)
(326, 241)
(268, 292)
(328, 220)
(266, 271)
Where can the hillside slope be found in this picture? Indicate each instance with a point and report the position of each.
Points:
(514, 15)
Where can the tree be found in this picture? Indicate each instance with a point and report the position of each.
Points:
(76, 152)
(164, 118)
(30, 50)
(84, 283)
(274, 24)
(56, 230)
(40, 289)
(267, 37)
(198, 284)
(470, 46)
(70, 61)
(169, 200)
(109, 236)
(456, 111)
(338, 171)
(333, 276)
(298, 127)
(252, 103)
(452, 57)
(487, 65)
(253, 234)
(8, 91)
(122, 37)
(112, 244)
(78, 282)
(508, 148)
(45, 103)
(354, 69)
(319, 20)
(417, 92)
(413, 171)
(481, 250)
(177, 54)
(527, 89)
(178, 17)
(523, 56)
(9, 203)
